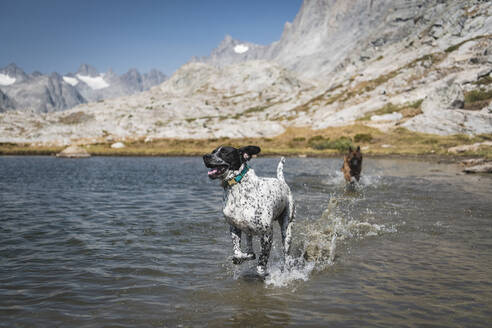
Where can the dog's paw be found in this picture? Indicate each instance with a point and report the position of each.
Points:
(246, 257)
(261, 271)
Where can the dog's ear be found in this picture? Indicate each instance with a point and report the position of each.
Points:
(248, 151)
(358, 149)
(350, 149)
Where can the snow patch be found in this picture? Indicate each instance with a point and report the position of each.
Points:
(95, 83)
(6, 80)
(241, 48)
(71, 80)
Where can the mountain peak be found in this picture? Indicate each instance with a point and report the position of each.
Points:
(228, 42)
(14, 72)
(87, 70)
(12, 66)
(13, 69)
(227, 39)
(132, 75)
(133, 71)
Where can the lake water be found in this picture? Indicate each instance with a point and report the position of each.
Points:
(141, 242)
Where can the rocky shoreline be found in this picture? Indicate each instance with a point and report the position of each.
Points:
(294, 143)
(484, 166)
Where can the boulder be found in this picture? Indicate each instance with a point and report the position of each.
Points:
(118, 145)
(488, 110)
(473, 161)
(465, 148)
(446, 96)
(73, 151)
(482, 168)
(395, 116)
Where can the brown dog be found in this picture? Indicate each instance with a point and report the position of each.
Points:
(352, 164)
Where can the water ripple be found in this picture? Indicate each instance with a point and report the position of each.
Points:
(141, 242)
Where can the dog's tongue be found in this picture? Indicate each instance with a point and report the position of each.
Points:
(212, 171)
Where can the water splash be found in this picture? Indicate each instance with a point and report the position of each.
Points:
(370, 180)
(315, 244)
(336, 178)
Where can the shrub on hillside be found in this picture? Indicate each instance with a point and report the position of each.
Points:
(320, 143)
(363, 137)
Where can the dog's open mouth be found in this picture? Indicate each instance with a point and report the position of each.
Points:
(216, 171)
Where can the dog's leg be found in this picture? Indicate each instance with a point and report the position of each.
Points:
(346, 172)
(285, 223)
(249, 246)
(266, 245)
(287, 226)
(239, 257)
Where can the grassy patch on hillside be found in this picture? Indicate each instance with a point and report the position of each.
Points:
(484, 80)
(407, 110)
(363, 138)
(340, 144)
(477, 99)
(256, 109)
(75, 118)
(317, 100)
(458, 45)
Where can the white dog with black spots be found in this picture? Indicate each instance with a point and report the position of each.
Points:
(252, 204)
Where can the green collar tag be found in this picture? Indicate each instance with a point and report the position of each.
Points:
(237, 179)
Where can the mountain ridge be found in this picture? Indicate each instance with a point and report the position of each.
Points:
(55, 92)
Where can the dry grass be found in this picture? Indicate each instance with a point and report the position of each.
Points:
(294, 141)
(407, 110)
(75, 118)
(484, 80)
(458, 45)
(477, 99)
(27, 149)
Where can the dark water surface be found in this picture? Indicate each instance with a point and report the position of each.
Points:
(140, 242)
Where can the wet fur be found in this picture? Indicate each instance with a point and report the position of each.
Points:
(352, 165)
(251, 206)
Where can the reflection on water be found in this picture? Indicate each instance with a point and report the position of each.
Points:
(140, 242)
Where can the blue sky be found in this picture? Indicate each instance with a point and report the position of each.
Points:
(59, 35)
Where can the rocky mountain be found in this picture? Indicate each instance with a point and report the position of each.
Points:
(152, 78)
(5, 102)
(331, 37)
(198, 101)
(38, 92)
(47, 93)
(11, 74)
(232, 51)
(424, 65)
(95, 86)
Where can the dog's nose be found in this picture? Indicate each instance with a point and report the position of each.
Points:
(206, 157)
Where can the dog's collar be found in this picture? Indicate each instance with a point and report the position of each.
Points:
(237, 179)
